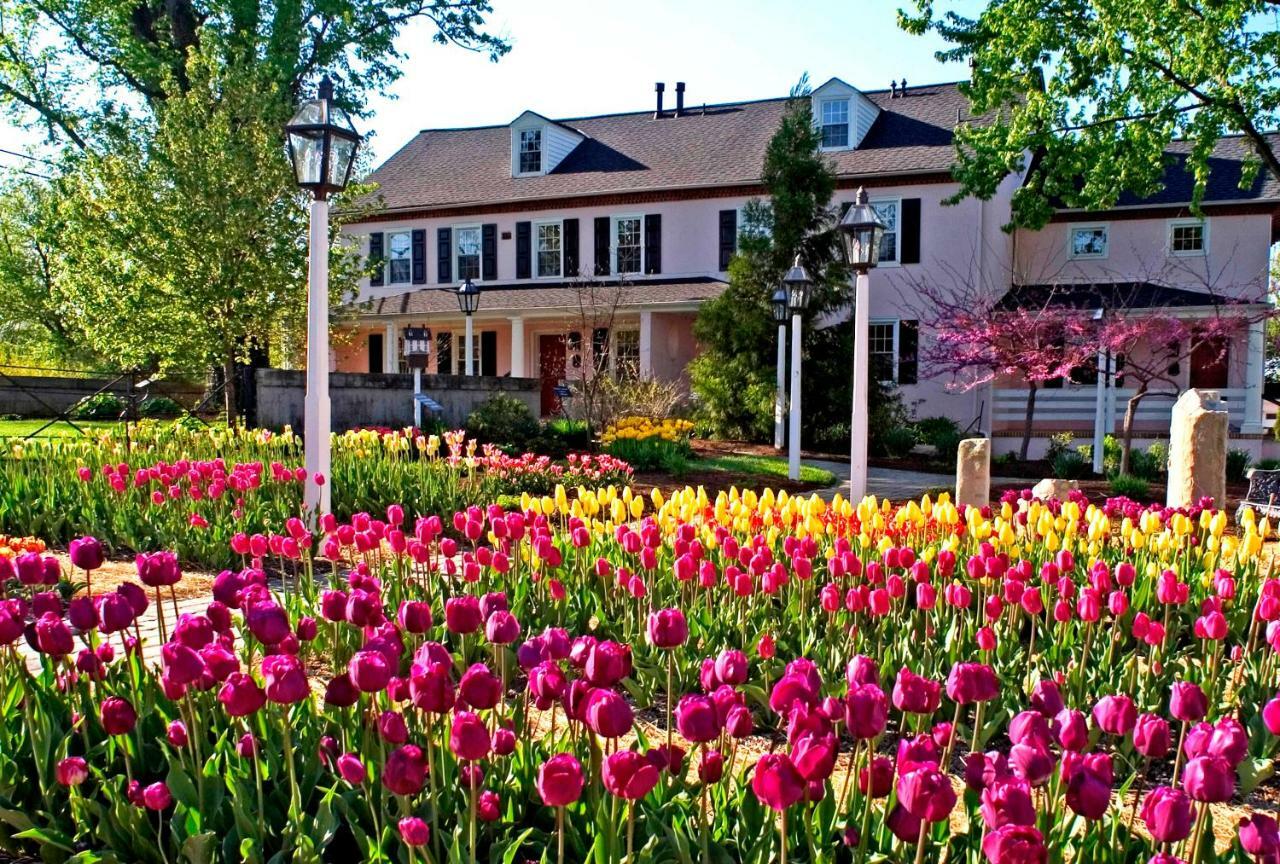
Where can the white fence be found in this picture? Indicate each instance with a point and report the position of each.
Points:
(1074, 406)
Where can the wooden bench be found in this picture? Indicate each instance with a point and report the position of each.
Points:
(1264, 493)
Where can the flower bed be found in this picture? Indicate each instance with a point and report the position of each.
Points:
(190, 489)
(598, 677)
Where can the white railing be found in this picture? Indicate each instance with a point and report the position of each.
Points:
(1076, 404)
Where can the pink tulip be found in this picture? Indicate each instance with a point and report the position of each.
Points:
(560, 780)
(628, 775)
(776, 782)
(1209, 778)
(926, 793)
(667, 628)
(414, 831)
(1168, 814)
(1015, 844)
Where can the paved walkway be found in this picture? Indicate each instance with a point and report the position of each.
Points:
(894, 483)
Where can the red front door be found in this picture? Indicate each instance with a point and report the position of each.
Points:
(551, 353)
(1209, 364)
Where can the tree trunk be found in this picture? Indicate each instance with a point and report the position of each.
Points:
(1130, 412)
(1028, 421)
(230, 390)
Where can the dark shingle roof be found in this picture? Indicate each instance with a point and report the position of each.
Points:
(1107, 295)
(552, 295)
(1225, 166)
(710, 146)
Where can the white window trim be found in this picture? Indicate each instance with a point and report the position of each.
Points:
(459, 350)
(386, 262)
(534, 243)
(613, 244)
(1073, 227)
(897, 232)
(613, 347)
(542, 151)
(895, 323)
(1203, 224)
(457, 272)
(849, 118)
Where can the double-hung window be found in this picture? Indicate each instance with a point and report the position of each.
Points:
(882, 350)
(626, 354)
(399, 258)
(628, 244)
(887, 212)
(835, 124)
(467, 252)
(530, 154)
(550, 250)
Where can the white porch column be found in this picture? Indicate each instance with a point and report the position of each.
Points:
(1255, 362)
(646, 345)
(390, 362)
(517, 348)
(1112, 392)
(1100, 412)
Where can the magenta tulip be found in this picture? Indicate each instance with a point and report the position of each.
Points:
(628, 775)
(776, 782)
(560, 780)
(667, 628)
(1168, 814)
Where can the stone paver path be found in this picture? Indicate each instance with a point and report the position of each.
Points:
(894, 483)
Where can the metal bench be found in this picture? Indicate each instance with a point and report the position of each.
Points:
(1264, 493)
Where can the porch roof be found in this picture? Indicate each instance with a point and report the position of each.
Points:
(440, 300)
(1110, 295)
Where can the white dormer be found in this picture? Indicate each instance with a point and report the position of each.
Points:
(842, 114)
(538, 144)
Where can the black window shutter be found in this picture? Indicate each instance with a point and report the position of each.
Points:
(728, 237)
(602, 246)
(488, 252)
(844, 208)
(444, 353)
(570, 241)
(653, 243)
(376, 348)
(444, 255)
(488, 352)
(524, 251)
(375, 258)
(908, 352)
(910, 239)
(418, 249)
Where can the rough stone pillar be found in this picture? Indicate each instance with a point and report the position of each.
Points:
(1198, 449)
(973, 472)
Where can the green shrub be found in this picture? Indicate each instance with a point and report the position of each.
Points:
(1009, 458)
(948, 446)
(159, 406)
(899, 441)
(504, 421)
(1059, 443)
(931, 429)
(1130, 486)
(562, 436)
(1110, 455)
(1267, 464)
(1238, 462)
(1070, 465)
(650, 454)
(1158, 453)
(103, 406)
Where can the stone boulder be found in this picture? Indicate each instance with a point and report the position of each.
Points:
(1198, 449)
(1051, 487)
(973, 472)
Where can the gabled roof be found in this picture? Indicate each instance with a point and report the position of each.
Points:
(545, 119)
(711, 145)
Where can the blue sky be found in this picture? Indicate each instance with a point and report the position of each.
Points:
(579, 57)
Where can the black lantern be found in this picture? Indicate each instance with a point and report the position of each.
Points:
(778, 303)
(861, 231)
(468, 297)
(797, 286)
(417, 346)
(322, 143)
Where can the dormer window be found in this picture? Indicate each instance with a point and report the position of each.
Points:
(530, 151)
(835, 124)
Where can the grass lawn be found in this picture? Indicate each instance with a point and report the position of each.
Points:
(23, 428)
(763, 466)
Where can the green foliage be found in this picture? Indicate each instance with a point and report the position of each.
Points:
(651, 454)
(1096, 92)
(733, 378)
(159, 406)
(1129, 486)
(102, 406)
(1269, 464)
(1238, 462)
(898, 441)
(1070, 465)
(562, 436)
(1059, 443)
(929, 429)
(947, 446)
(504, 421)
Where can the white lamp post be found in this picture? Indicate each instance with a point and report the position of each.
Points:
(797, 285)
(778, 304)
(469, 301)
(860, 233)
(417, 348)
(322, 147)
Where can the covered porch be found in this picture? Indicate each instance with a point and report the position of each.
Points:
(557, 335)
